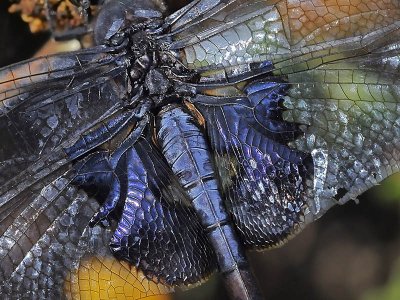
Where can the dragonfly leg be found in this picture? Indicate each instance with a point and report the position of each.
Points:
(102, 216)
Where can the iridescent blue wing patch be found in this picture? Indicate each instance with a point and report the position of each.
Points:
(157, 229)
(262, 178)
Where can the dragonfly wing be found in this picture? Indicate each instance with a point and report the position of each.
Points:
(49, 251)
(43, 241)
(262, 178)
(45, 100)
(351, 109)
(47, 105)
(52, 110)
(159, 231)
(245, 45)
(293, 36)
(197, 12)
(287, 151)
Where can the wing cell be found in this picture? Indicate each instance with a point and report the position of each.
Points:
(294, 36)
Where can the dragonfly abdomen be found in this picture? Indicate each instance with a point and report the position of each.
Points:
(186, 150)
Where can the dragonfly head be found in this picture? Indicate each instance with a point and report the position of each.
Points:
(117, 15)
(155, 73)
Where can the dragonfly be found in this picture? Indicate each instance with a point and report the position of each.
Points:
(180, 141)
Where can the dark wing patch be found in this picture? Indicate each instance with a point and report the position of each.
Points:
(204, 18)
(262, 178)
(159, 231)
(50, 103)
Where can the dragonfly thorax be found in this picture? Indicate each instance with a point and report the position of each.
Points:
(156, 77)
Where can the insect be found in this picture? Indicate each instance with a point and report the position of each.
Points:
(224, 126)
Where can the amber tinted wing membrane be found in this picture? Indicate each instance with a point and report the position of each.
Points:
(340, 67)
(117, 279)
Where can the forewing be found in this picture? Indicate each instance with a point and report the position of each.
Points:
(48, 104)
(195, 13)
(293, 35)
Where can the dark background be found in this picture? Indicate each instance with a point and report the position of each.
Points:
(16, 41)
(353, 252)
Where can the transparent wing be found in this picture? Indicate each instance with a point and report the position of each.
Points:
(294, 36)
(351, 112)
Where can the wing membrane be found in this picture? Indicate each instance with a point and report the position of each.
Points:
(195, 20)
(262, 179)
(317, 124)
(294, 36)
(153, 233)
(48, 250)
(351, 109)
(32, 242)
(48, 104)
(287, 151)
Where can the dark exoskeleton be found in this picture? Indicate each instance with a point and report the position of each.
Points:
(162, 181)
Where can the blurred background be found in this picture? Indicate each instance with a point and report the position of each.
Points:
(353, 252)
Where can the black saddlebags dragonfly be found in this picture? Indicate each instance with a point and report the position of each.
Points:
(180, 141)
